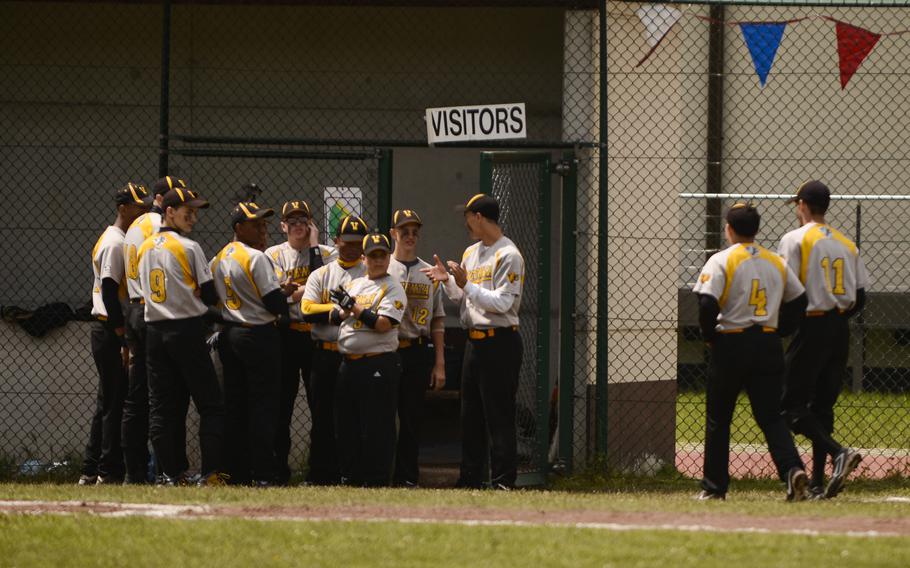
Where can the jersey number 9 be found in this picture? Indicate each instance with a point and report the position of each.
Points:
(157, 285)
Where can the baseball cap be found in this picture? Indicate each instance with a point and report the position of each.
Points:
(352, 229)
(484, 204)
(249, 211)
(178, 196)
(133, 193)
(295, 206)
(376, 241)
(744, 219)
(813, 192)
(166, 184)
(405, 216)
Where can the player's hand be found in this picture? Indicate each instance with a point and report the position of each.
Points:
(125, 357)
(197, 292)
(298, 294)
(288, 287)
(460, 274)
(313, 233)
(437, 272)
(341, 297)
(438, 377)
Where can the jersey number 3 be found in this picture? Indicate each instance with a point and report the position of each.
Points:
(758, 299)
(157, 285)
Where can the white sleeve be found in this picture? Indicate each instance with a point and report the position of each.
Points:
(792, 286)
(789, 249)
(112, 263)
(263, 274)
(498, 301)
(203, 272)
(393, 303)
(862, 275)
(452, 290)
(313, 290)
(712, 279)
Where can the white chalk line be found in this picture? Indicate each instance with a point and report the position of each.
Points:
(204, 512)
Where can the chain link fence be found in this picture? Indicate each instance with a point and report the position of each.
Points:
(295, 98)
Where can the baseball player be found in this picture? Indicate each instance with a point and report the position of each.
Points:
(488, 285)
(421, 342)
(366, 396)
(135, 427)
(249, 346)
(740, 291)
(317, 308)
(177, 286)
(829, 266)
(103, 456)
(294, 261)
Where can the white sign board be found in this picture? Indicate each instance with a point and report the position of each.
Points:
(465, 123)
(338, 203)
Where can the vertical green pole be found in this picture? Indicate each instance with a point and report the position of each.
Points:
(164, 102)
(384, 214)
(567, 313)
(602, 243)
(544, 211)
(486, 173)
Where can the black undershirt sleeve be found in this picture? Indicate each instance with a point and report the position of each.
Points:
(110, 295)
(322, 317)
(315, 258)
(708, 310)
(858, 304)
(208, 293)
(277, 303)
(791, 315)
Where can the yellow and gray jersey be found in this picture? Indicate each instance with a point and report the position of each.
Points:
(172, 268)
(750, 283)
(295, 264)
(319, 284)
(492, 296)
(424, 298)
(828, 265)
(385, 297)
(142, 228)
(243, 275)
(107, 262)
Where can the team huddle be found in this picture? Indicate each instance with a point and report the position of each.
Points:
(749, 297)
(361, 324)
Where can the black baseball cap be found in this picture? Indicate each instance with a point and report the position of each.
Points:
(404, 216)
(352, 229)
(484, 204)
(744, 219)
(376, 241)
(249, 211)
(178, 196)
(813, 192)
(295, 206)
(166, 184)
(133, 194)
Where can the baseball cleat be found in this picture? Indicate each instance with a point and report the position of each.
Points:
(710, 496)
(797, 485)
(845, 462)
(87, 480)
(214, 479)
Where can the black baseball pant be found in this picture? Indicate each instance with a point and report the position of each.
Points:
(752, 360)
(416, 367)
(816, 363)
(135, 425)
(366, 399)
(489, 384)
(323, 459)
(103, 455)
(252, 385)
(296, 363)
(178, 361)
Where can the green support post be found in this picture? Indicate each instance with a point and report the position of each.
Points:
(384, 220)
(567, 312)
(602, 243)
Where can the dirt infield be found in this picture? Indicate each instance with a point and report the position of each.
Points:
(708, 521)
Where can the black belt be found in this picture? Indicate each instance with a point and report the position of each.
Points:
(137, 301)
(404, 343)
(479, 334)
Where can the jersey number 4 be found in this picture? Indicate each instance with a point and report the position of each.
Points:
(758, 299)
(838, 265)
(157, 285)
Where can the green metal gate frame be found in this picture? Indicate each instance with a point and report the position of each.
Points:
(546, 168)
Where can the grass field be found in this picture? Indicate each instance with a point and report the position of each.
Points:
(862, 420)
(397, 539)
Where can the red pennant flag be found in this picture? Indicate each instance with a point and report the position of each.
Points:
(853, 45)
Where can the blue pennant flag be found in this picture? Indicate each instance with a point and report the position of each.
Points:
(763, 39)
